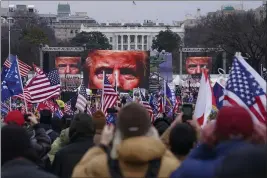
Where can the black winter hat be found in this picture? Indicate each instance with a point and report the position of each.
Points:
(45, 116)
(15, 143)
(82, 125)
(133, 120)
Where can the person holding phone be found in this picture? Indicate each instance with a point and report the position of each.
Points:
(136, 149)
(232, 130)
(39, 139)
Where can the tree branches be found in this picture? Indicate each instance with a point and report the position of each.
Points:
(241, 32)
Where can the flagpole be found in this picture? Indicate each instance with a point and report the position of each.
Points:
(102, 97)
(9, 48)
(26, 106)
(116, 86)
(164, 95)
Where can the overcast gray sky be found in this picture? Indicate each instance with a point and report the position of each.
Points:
(164, 11)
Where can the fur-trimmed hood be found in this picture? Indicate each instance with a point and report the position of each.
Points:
(133, 155)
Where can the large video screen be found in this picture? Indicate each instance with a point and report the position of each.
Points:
(126, 69)
(69, 69)
(195, 65)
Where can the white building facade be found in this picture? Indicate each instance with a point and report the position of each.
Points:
(132, 36)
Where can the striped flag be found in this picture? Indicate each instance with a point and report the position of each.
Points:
(23, 67)
(42, 87)
(109, 97)
(81, 99)
(160, 103)
(246, 88)
(147, 106)
(67, 108)
(177, 104)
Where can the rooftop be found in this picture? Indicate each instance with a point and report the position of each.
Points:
(63, 8)
(48, 15)
(129, 24)
(75, 17)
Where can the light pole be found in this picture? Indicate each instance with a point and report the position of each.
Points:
(181, 63)
(9, 47)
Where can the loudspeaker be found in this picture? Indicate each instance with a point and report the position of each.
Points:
(46, 66)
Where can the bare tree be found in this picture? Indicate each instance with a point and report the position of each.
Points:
(27, 33)
(241, 32)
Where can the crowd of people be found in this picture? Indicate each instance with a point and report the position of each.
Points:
(41, 145)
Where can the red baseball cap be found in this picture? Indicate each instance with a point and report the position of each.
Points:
(16, 117)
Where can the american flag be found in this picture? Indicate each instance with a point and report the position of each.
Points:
(67, 108)
(81, 99)
(88, 110)
(178, 102)
(246, 88)
(4, 108)
(42, 87)
(147, 106)
(23, 67)
(109, 97)
(160, 103)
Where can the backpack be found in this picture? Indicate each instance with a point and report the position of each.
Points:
(115, 171)
(49, 131)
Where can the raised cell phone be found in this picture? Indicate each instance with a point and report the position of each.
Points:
(187, 110)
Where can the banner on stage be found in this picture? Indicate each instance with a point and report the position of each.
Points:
(126, 69)
(69, 69)
(194, 65)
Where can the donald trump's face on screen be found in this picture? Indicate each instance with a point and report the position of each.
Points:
(68, 65)
(124, 69)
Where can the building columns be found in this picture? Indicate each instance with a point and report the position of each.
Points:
(117, 42)
(128, 42)
(142, 42)
(135, 40)
(122, 42)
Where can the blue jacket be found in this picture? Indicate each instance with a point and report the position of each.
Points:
(203, 160)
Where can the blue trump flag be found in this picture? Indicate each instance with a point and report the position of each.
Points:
(4, 72)
(11, 85)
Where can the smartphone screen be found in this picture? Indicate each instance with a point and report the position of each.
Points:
(187, 110)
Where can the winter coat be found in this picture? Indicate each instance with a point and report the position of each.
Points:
(18, 168)
(66, 158)
(133, 156)
(52, 134)
(60, 142)
(204, 160)
(40, 140)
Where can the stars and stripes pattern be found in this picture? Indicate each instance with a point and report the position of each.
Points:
(160, 103)
(246, 88)
(67, 108)
(109, 97)
(23, 67)
(42, 86)
(147, 106)
(4, 108)
(177, 104)
(81, 99)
